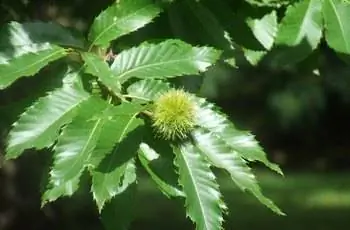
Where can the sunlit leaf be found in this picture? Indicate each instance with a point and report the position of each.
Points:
(203, 199)
(117, 117)
(147, 89)
(75, 146)
(302, 21)
(265, 29)
(99, 68)
(117, 170)
(336, 17)
(17, 38)
(223, 156)
(209, 117)
(170, 58)
(28, 47)
(39, 125)
(254, 56)
(270, 3)
(67, 189)
(28, 64)
(121, 18)
(107, 185)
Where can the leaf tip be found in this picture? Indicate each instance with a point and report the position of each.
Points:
(276, 168)
(11, 154)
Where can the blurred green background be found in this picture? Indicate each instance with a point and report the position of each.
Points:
(298, 110)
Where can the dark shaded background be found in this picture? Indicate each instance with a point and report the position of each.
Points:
(300, 116)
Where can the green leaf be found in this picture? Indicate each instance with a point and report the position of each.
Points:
(265, 29)
(75, 146)
(303, 21)
(337, 16)
(167, 59)
(203, 198)
(117, 117)
(147, 89)
(16, 38)
(26, 48)
(208, 117)
(117, 170)
(118, 213)
(28, 64)
(157, 160)
(39, 125)
(253, 56)
(121, 18)
(224, 156)
(63, 189)
(106, 186)
(99, 68)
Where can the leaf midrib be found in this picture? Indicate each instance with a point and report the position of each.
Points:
(116, 22)
(67, 111)
(302, 27)
(152, 65)
(196, 189)
(92, 133)
(219, 134)
(54, 122)
(117, 148)
(236, 170)
(225, 139)
(217, 161)
(35, 63)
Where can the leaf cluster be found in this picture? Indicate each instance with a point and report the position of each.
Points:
(100, 119)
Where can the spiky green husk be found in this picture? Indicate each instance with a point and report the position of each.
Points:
(173, 115)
